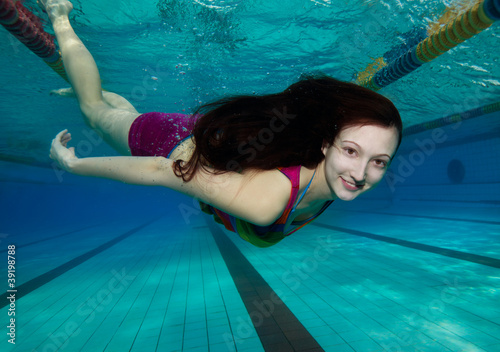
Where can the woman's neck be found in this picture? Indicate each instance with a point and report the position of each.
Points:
(319, 190)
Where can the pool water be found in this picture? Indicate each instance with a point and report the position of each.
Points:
(105, 266)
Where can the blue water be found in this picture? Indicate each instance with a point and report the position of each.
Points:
(104, 266)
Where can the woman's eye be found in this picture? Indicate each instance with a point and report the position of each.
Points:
(350, 151)
(381, 163)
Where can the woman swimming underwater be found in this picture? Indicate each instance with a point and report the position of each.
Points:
(264, 166)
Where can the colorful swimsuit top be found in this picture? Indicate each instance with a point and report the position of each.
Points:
(266, 236)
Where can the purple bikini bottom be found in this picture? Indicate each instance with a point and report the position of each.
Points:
(157, 133)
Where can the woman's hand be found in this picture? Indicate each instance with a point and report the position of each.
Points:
(59, 151)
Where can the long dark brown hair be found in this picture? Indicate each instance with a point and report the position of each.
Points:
(283, 129)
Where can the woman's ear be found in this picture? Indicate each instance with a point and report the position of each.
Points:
(325, 147)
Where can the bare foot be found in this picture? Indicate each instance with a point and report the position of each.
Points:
(56, 8)
(63, 92)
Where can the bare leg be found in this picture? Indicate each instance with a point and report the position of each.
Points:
(112, 116)
(112, 99)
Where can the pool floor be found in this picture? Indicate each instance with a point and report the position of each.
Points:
(163, 284)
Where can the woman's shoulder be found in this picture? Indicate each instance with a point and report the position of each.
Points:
(259, 197)
(271, 191)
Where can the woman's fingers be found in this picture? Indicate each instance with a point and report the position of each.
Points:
(63, 137)
(61, 140)
(61, 134)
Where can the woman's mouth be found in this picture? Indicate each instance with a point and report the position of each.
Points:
(351, 186)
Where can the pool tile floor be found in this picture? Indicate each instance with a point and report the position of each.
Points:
(167, 287)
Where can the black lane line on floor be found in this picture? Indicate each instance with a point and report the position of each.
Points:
(474, 258)
(33, 284)
(277, 327)
(50, 238)
(426, 217)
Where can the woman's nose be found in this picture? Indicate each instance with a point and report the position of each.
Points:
(359, 173)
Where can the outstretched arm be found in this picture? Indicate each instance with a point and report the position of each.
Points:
(147, 171)
(238, 194)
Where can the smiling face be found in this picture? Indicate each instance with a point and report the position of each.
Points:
(358, 159)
